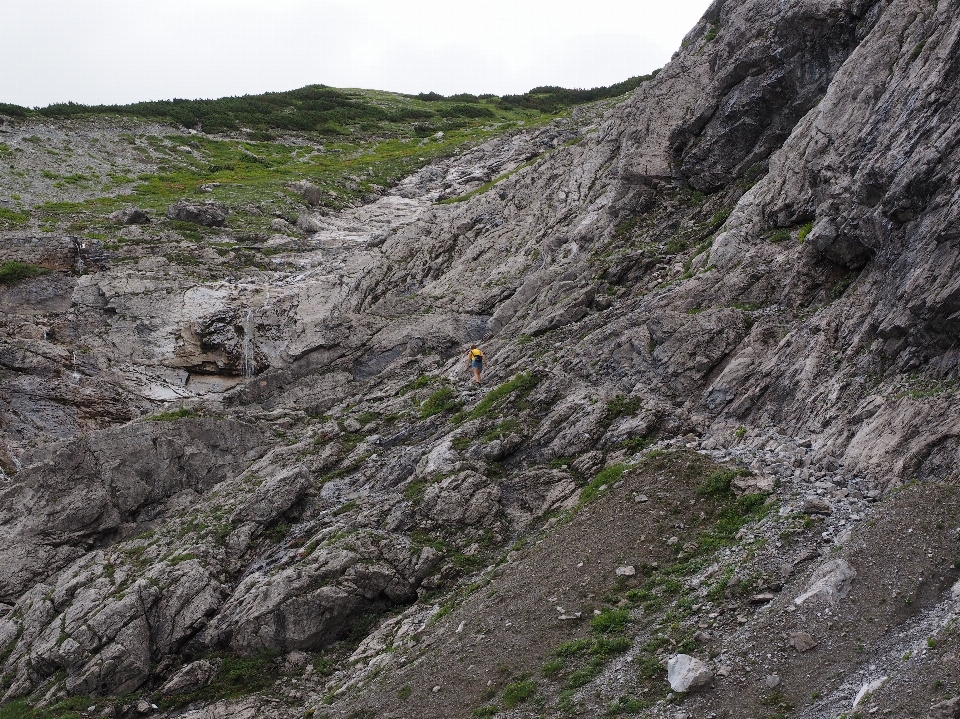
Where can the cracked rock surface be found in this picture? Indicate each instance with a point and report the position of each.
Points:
(720, 317)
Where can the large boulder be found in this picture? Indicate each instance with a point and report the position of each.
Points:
(310, 193)
(686, 673)
(193, 676)
(829, 584)
(208, 214)
(130, 216)
(309, 223)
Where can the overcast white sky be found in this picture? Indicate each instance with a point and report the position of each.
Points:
(120, 51)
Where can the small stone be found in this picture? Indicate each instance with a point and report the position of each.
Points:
(772, 681)
(724, 671)
(802, 642)
(762, 598)
(640, 498)
(627, 571)
(673, 540)
(144, 707)
(436, 688)
(742, 619)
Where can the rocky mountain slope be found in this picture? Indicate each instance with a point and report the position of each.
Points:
(711, 471)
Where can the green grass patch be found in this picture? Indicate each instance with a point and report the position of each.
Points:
(804, 231)
(70, 708)
(605, 479)
(621, 406)
(443, 400)
(416, 489)
(718, 483)
(610, 621)
(518, 692)
(519, 386)
(13, 217)
(237, 676)
(506, 427)
(419, 383)
(627, 704)
(12, 272)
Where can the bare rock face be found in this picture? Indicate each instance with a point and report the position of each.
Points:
(751, 259)
(949, 709)
(92, 488)
(209, 214)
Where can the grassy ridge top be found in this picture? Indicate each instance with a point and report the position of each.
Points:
(332, 111)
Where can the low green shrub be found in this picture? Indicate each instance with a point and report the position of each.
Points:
(13, 217)
(610, 621)
(443, 400)
(521, 385)
(12, 272)
(518, 692)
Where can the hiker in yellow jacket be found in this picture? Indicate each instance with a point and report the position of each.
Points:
(475, 362)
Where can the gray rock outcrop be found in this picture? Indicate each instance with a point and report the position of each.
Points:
(750, 259)
(130, 216)
(209, 214)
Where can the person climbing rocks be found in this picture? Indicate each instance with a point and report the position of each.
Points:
(475, 362)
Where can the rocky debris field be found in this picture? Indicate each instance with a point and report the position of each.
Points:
(710, 472)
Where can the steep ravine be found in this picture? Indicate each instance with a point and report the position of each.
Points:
(719, 417)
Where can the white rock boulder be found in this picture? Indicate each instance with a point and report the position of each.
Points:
(686, 673)
(830, 583)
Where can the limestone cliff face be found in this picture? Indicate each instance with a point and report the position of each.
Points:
(753, 257)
